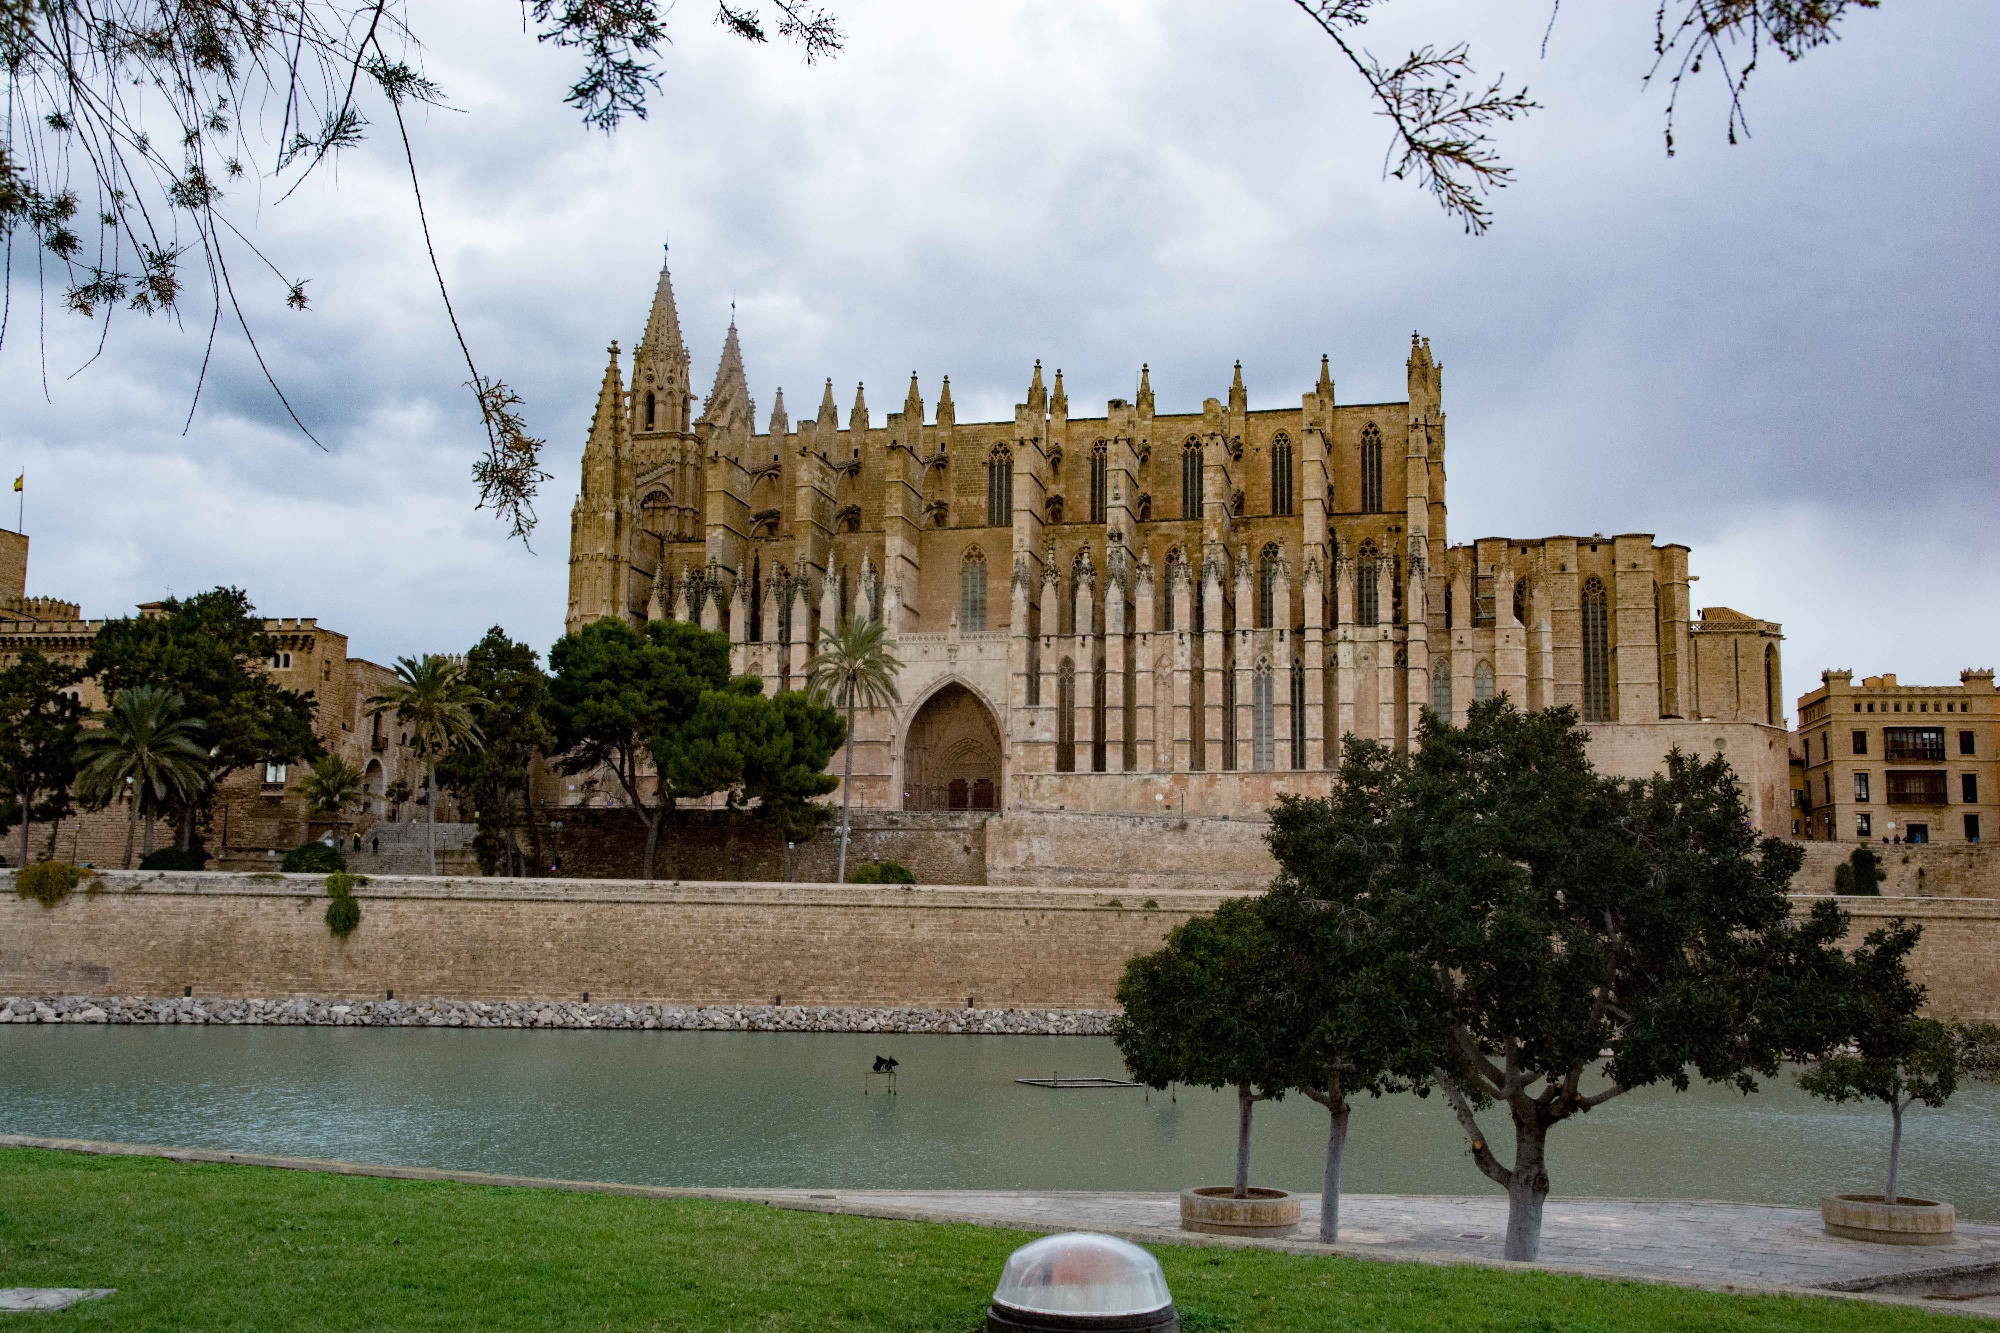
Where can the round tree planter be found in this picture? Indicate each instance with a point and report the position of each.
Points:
(1216, 1210)
(1906, 1222)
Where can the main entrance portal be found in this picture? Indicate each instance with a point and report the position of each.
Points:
(954, 754)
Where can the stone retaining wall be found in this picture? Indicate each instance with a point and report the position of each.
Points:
(555, 1014)
(1915, 870)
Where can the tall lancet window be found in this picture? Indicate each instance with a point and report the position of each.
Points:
(1267, 587)
(1371, 470)
(1596, 652)
(649, 409)
(1000, 488)
(972, 592)
(1441, 688)
(1263, 753)
(756, 632)
(1066, 717)
(1100, 481)
(1773, 710)
(1482, 681)
(1191, 478)
(1168, 587)
(1298, 714)
(1367, 592)
(1281, 475)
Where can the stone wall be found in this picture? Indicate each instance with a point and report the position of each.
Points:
(263, 935)
(1131, 853)
(938, 847)
(991, 948)
(1923, 870)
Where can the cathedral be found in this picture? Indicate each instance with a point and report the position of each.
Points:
(1131, 612)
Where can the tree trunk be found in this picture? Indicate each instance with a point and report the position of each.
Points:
(24, 828)
(131, 831)
(1245, 1103)
(534, 830)
(430, 816)
(1336, 1145)
(846, 789)
(652, 839)
(1529, 1189)
(1895, 1147)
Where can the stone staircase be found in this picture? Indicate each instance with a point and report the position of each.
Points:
(402, 849)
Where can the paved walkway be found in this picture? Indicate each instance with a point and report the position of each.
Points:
(1719, 1245)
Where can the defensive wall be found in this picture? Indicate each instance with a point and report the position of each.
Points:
(991, 947)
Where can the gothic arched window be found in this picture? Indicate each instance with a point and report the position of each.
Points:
(1521, 601)
(1100, 478)
(972, 591)
(1482, 681)
(1263, 756)
(1000, 488)
(1298, 714)
(1367, 593)
(1281, 475)
(1066, 717)
(1267, 587)
(1596, 652)
(1191, 478)
(1168, 586)
(649, 409)
(1441, 688)
(1371, 470)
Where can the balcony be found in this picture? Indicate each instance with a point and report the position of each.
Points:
(1921, 787)
(1905, 745)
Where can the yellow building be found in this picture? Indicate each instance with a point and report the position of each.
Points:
(1887, 762)
(257, 813)
(1119, 610)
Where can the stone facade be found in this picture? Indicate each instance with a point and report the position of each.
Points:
(1882, 761)
(258, 813)
(1130, 611)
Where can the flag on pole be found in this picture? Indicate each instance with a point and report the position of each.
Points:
(20, 480)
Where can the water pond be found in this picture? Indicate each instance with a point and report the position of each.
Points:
(786, 1109)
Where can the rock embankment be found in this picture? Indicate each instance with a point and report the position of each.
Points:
(557, 1014)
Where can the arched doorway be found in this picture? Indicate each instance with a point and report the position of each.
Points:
(372, 779)
(953, 753)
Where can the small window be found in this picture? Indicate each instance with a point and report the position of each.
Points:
(1826, 788)
(1482, 682)
(1968, 788)
(1864, 825)
(281, 661)
(1861, 742)
(1825, 746)
(1861, 786)
(1972, 828)
(1965, 745)
(274, 775)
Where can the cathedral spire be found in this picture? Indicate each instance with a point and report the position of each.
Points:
(1239, 397)
(780, 423)
(1325, 385)
(913, 404)
(947, 414)
(662, 396)
(1059, 401)
(1145, 390)
(603, 451)
(663, 325)
(1038, 397)
(728, 404)
(858, 419)
(829, 415)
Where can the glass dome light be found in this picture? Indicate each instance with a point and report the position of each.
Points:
(1082, 1280)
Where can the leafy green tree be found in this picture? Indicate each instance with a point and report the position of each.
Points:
(1895, 1057)
(41, 720)
(613, 689)
(333, 788)
(1585, 936)
(769, 754)
(431, 698)
(853, 668)
(144, 750)
(1207, 1009)
(509, 687)
(211, 649)
(1361, 998)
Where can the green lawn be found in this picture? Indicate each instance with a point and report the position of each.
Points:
(237, 1247)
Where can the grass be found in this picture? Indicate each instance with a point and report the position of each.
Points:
(237, 1247)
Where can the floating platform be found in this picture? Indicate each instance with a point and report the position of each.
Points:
(1057, 1081)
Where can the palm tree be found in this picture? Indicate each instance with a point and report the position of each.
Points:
(853, 667)
(431, 698)
(144, 750)
(333, 788)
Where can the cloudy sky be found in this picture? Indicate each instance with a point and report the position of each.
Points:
(1778, 353)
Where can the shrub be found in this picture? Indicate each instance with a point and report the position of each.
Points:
(170, 858)
(47, 882)
(1978, 1049)
(1843, 879)
(1867, 874)
(343, 913)
(881, 872)
(314, 858)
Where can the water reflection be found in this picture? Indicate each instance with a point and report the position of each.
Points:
(788, 1109)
